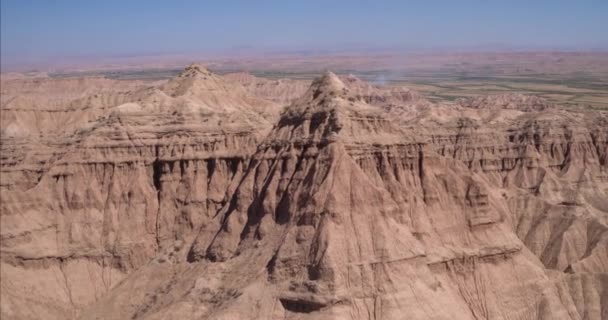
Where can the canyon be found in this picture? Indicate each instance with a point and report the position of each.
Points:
(232, 196)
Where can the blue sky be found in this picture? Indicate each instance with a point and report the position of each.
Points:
(63, 28)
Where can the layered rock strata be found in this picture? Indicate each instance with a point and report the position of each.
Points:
(196, 199)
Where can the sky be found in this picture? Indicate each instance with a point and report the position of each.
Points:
(44, 29)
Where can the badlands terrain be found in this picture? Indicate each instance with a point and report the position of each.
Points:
(232, 196)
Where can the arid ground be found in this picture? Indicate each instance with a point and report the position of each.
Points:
(387, 186)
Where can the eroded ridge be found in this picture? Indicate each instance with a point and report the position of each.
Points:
(196, 199)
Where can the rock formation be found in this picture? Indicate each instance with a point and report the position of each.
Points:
(195, 198)
(281, 91)
(514, 101)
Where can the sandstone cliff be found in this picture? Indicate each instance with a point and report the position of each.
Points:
(195, 199)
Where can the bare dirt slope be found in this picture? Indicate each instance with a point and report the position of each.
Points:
(206, 198)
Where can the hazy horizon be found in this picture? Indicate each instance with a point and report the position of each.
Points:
(39, 32)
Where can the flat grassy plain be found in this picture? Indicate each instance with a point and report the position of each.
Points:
(569, 90)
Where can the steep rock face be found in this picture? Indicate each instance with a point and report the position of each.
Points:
(185, 201)
(119, 191)
(341, 215)
(552, 168)
(585, 293)
(38, 114)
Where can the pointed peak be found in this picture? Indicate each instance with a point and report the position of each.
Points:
(194, 77)
(326, 85)
(194, 69)
(328, 81)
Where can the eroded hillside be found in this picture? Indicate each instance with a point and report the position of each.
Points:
(236, 197)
